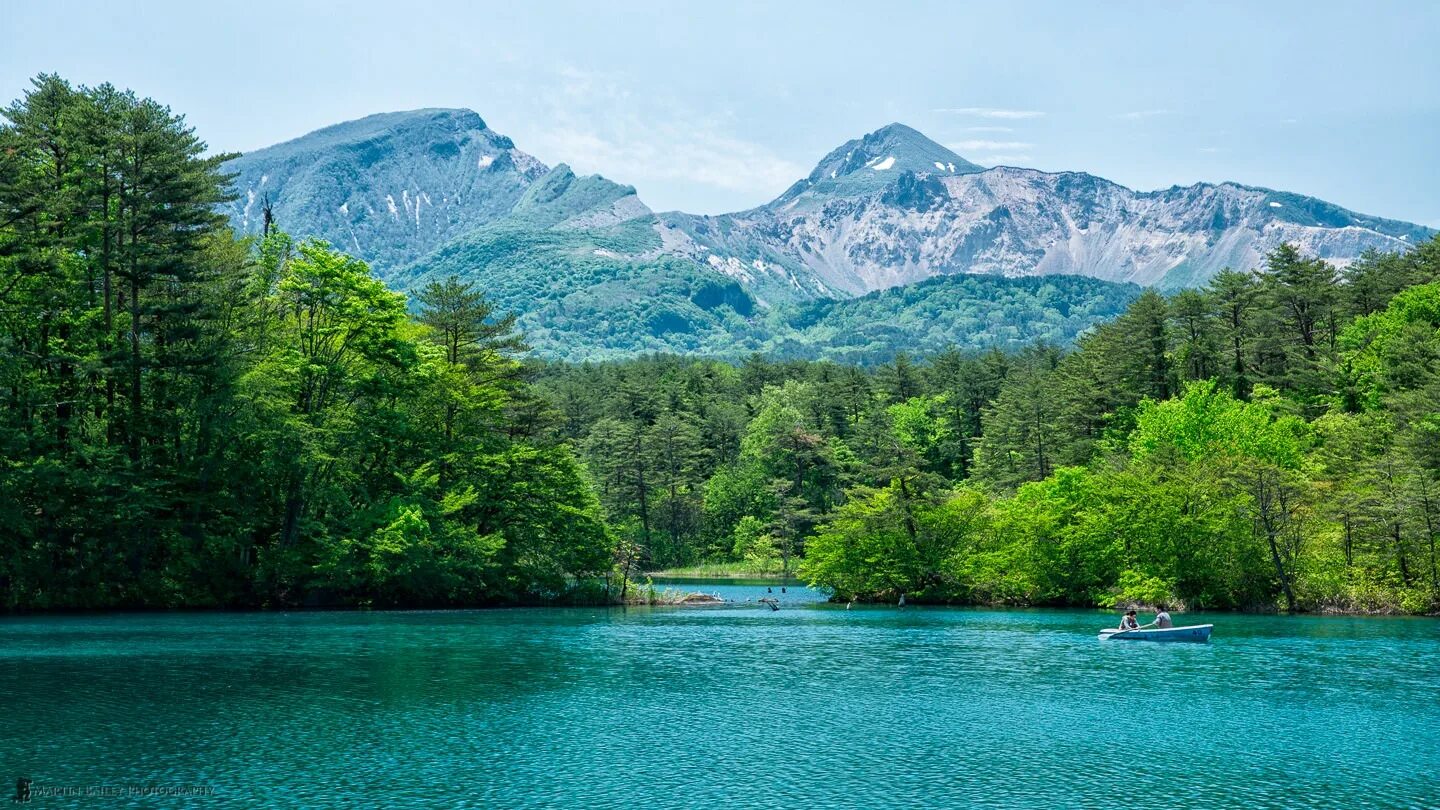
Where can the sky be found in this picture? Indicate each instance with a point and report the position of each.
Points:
(719, 106)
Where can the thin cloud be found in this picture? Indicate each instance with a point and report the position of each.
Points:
(989, 129)
(990, 146)
(991, 112)
(600, 126)
(671, 152)
(1210, 150)
(1005, 160)
(1139, 115)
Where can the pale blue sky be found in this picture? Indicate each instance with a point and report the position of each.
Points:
(719, 106)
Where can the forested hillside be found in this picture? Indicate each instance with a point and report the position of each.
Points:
(605, 306)
(1270, 440)
(187, 419)
(192, 419)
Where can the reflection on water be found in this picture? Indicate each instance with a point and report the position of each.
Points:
(813, 706)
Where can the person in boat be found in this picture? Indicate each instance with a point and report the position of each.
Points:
(1128, 621)
(1162, 619)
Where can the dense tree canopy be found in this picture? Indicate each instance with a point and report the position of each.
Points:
(191, 419)
(1272, 439)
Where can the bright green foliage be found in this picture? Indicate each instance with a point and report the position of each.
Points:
(1397, 349)
(186, 419)
(884, 543)
(1205, 422)
(755, 545)
(735, 493)
(1136, 588)
(920, 425)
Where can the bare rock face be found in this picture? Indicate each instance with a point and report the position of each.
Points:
(388, 188)
(895, 220)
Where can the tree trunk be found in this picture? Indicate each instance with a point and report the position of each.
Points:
(135, 405)
(1400, 552)
(1349, 540)
(1266, 494)
(290, 528)
(1285, 585)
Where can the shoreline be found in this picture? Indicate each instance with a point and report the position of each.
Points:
(687, 599)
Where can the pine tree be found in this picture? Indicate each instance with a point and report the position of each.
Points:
(1196, 351)
(1234, 297)
(1022, 427)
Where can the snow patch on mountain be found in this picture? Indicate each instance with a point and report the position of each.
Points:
(446, 162)
(890, 208)
(731, 267)
(1020, 222)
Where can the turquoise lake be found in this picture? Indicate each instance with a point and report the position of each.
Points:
(739, 706)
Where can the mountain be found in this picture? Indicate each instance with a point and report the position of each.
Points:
(868, 164)
(389, 188)
(593, 273)
(879, 212)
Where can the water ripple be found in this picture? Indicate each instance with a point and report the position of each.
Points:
(739, 706)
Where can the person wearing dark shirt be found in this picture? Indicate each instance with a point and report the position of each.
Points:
(1127, 622)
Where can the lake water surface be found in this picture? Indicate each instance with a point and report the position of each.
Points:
(738, 706)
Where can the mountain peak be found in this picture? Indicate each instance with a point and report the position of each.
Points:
(874, 160)
(562, 196)
(405, 123)
(388, 187)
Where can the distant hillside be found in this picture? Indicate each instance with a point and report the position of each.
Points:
(969, 312)
(582, 295)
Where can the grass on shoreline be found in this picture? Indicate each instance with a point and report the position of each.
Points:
(721, 570)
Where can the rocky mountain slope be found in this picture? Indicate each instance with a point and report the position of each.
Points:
(894, 208)
(389, 188)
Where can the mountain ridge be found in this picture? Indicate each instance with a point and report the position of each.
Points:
(872, 160)
(432, 191)
(359, 184)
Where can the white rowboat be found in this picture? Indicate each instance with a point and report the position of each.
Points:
(1199, 633)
